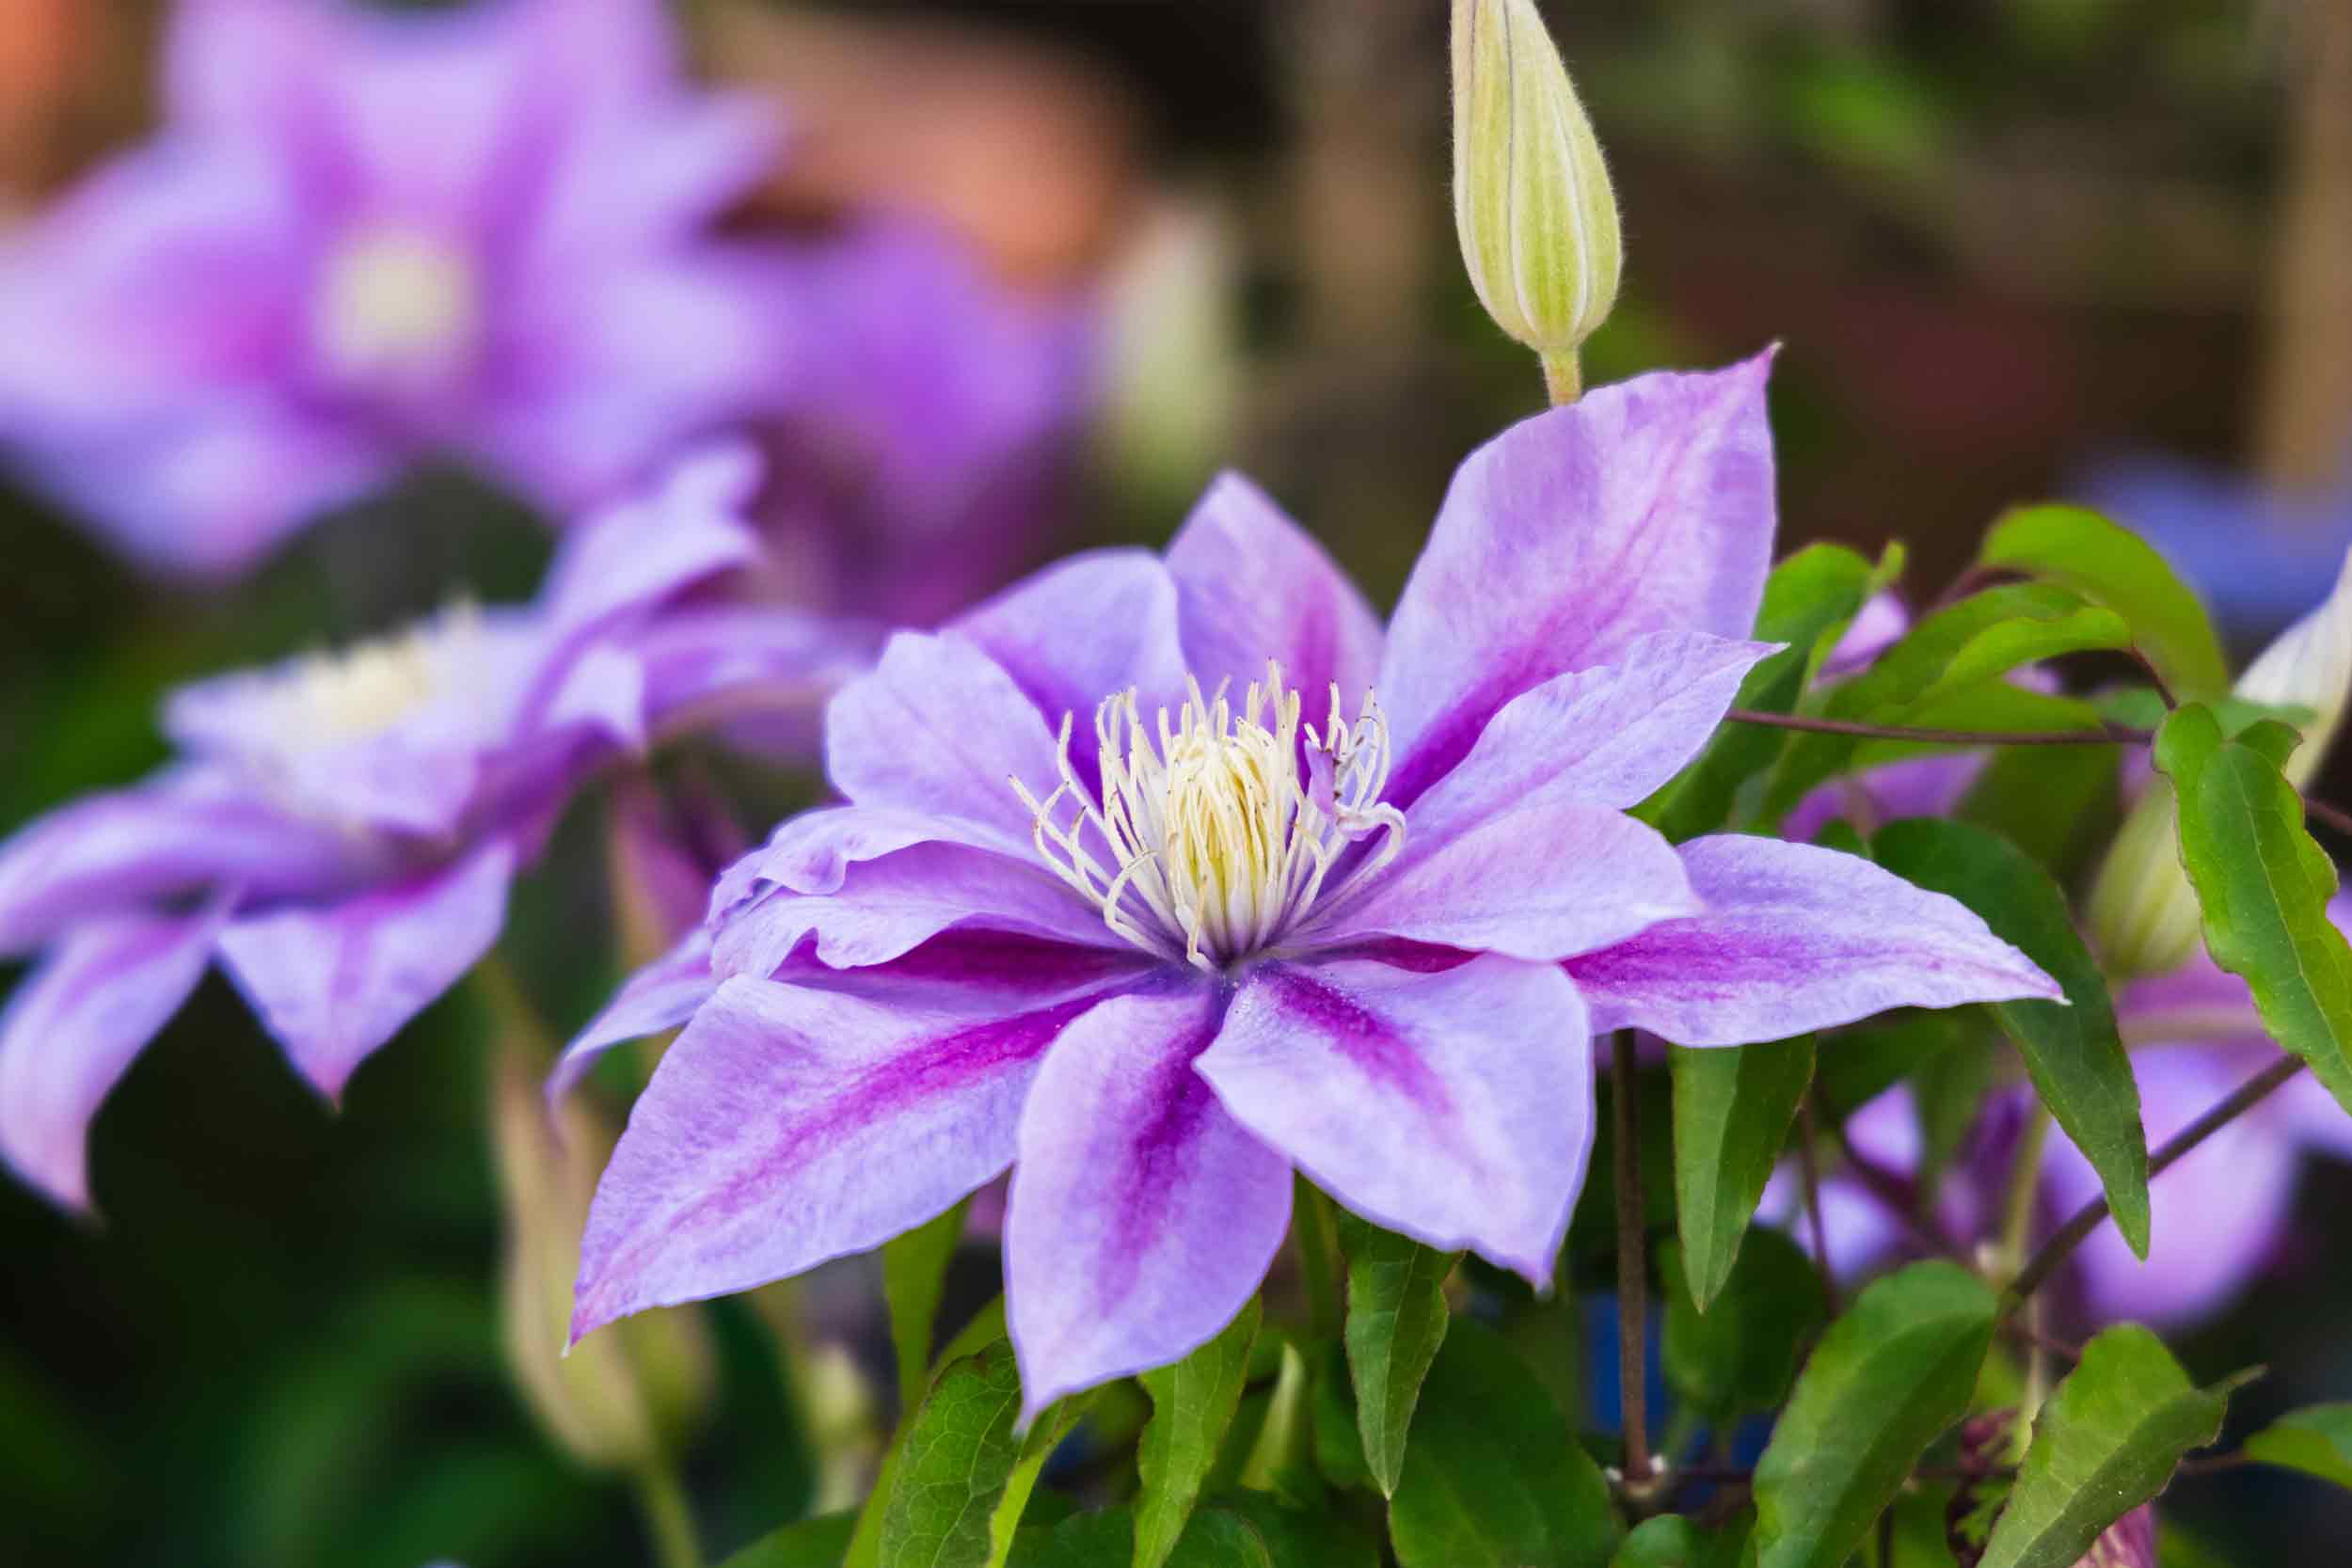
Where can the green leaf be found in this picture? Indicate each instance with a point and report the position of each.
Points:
(2107, 1441)
(1283, 1460)
(1856, 1066)
(1962, 646)
(811, 1544)
(1081, 1541)
(1888, 1379)
(1671, 1540)
(2316, 1440)
(2054, 802)
(956, 1459)
(2113, 566)
(2263, 886)
(915, 1275)
(1043, 1437)
(2073, 1051)
(1396, 1320)
(1740, 1354)
(1339, 1447)
(1809, 600)
(1732, 1108)
(1494, 1479)
(1303, 1538)
(1192, 1407)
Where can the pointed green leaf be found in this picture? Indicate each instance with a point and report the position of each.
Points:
(1192, 1407)
(1732, 1108)
(1303, 1538)
(2262, 885)
(915, 1275)
(1494, 1479)
(1888, 1379)
(810, 1544)
(958, 1456)
(1045, 1436)
(2073, 1051)
(2113, 566)
(2107, 1441)
(1396, 1320)
(2316, 1440)
(1740, 1354)
(1671, 1540)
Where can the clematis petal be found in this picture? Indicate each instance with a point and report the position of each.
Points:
(1544, 880)
(72, 1028)
(1456, 1107)
(1252, 585)
(1797, 938)
(890, 905)
(1610, 736)
(939, 729)
(178, 835)
(1142, 1214)
(870, 1113)
(1645, 507)
(683, 526)
(1090, 628)
(658, 997)
(332, 983)
(2217, 1214)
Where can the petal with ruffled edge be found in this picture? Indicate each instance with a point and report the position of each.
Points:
(1797, 938)
(1251, 585)
(658, 997)
(1644, 507)
(685, 526)
(790, 1124)
(1142, 1214)
(73, 1029)
(1456, 1107)
(332, 983)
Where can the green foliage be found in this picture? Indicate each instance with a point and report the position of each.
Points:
(1732, 1109)
(962, 1473)
(914, 1274)
(1396, 1320)
(2316, 1440)
(1494, 1479)
(2112, 566)
(2262, 885)
(1885, 1382)
(1241, 1530)
(1740, 1354)
(2107, 1441)
(1671, 1540)
(811, 1544)
(1192, 1407)
(2072, 1050)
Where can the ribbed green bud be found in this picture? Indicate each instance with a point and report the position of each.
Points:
(1532, 202)
(2143, 912)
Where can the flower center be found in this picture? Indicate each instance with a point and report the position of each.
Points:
(370, 688)
(396, 305)
(1212, 836)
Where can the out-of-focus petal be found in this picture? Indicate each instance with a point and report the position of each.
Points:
(658, 997)
(2309, 666)
(1645, 507)
(1456, 1107)
(333, 982)
(74, 1027)
(1919, 787)
(682, 527)
(1142, 1214)
(1797, 938)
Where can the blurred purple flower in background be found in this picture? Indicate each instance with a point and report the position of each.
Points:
(1155, 974)
(341, 830)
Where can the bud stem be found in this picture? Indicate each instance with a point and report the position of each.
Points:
(1564, 378)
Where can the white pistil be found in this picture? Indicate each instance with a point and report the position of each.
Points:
(397, 306)
(370, 688)
(1208, 839)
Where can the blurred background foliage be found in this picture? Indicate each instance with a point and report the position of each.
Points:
(2001, 240)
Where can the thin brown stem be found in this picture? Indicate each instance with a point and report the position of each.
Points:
(2334, 816)
(2088, 1218)
(2107, 734)
(1632, 1267)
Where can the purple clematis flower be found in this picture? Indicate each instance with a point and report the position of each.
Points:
(340, 831)
(1315, 897)
(366, 238)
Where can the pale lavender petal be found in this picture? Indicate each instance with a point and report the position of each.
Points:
(657, 998)
(1143, 1215)
(1457, 1107)
(790, 1124)
(182, 833)
(1610, 736)
(1876, 627)
(940, 730)
(1797, 938)
(333, 983)
(1544, 880)
(1644, 507)
(2217, 1215)
(892, 905)
(721, 663)
(1251, 585)
(1089, 629)
(74, 1027)
(682, 528)
(1918, 786)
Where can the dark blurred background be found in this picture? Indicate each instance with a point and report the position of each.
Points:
(2013, 249)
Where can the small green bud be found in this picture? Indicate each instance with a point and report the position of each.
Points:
(2143, 912)
(1531, 201)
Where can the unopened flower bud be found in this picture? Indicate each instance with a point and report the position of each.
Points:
(2143, 912)
(1531, 203)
